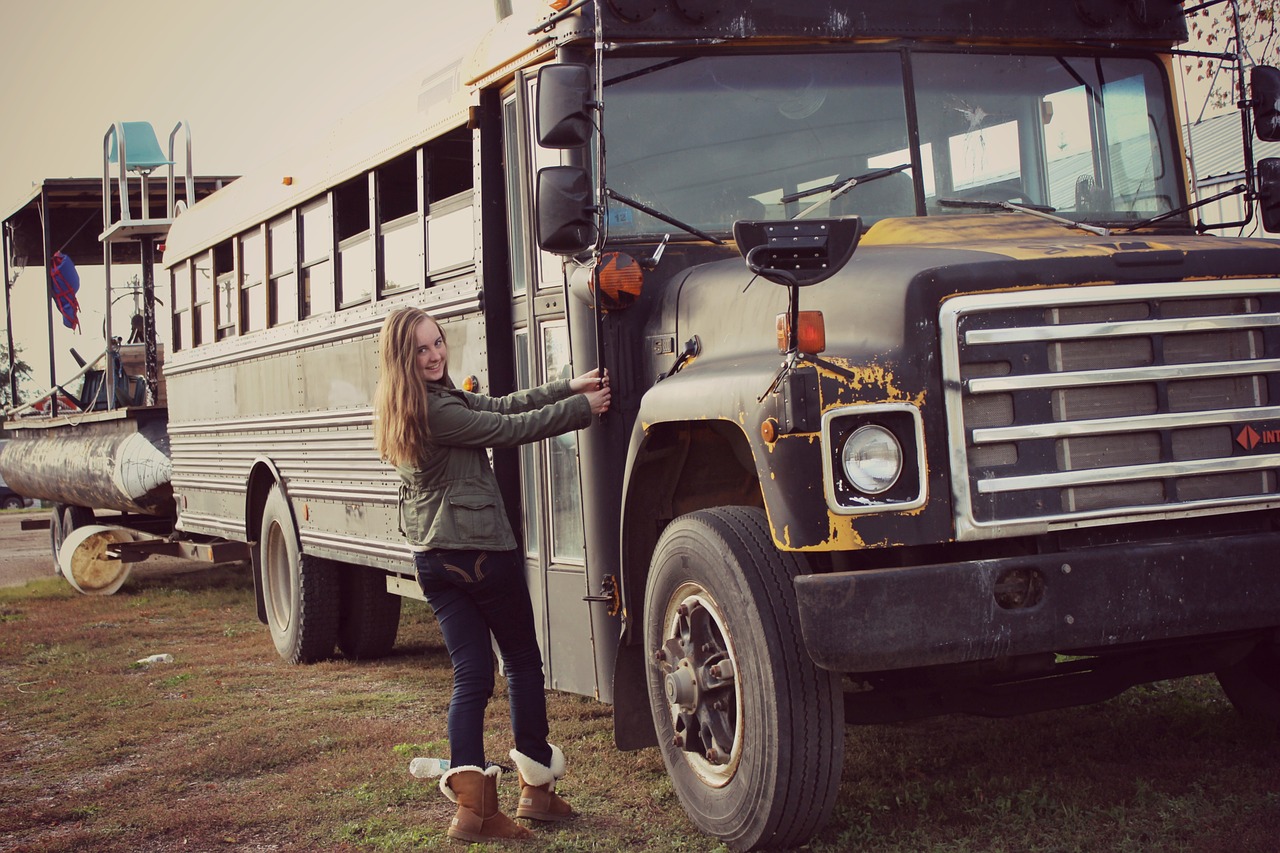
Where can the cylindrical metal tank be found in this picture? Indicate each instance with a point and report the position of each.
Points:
(121, 464)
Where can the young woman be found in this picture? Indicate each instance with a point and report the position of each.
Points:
(437, 437)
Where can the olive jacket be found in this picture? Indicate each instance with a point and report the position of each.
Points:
(449, 498)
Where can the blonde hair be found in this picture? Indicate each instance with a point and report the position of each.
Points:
(400, 431)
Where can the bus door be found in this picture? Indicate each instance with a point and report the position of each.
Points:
(554, 543)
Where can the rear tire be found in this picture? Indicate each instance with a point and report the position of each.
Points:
(63, 521)
(12, 502)
(370, 616)
(1253, 683)
(751, 730)
(299, 591)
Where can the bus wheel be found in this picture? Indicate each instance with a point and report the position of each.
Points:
(1253, 683)
(300, 591)
(63, 521)
(751, 731)
(370, 616)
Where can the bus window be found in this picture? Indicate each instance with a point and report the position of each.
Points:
(253, 291)
(567, 539)
(528, 455)
(355, 256)
(399, 227)
(225, 299)
(202, 319)
(180, 299)
(317, 254)
(282, 294)
(450, 219)
(516, 214)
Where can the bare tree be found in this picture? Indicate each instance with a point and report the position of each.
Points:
(1213, 30)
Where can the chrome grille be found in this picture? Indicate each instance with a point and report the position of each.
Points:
(1096, 404)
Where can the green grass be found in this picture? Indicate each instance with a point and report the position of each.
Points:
(228, 748)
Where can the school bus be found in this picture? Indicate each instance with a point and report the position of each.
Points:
(930, 394)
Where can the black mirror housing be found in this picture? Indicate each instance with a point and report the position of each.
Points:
(797, 252)
(1264, 88)
(566, 211)
(564, 105)
(1268, 171)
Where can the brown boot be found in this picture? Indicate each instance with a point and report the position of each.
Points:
(478, 818)
(538, 798)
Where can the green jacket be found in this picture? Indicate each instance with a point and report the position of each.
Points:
(450, 498)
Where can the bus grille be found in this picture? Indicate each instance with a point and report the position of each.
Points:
(1104, 403)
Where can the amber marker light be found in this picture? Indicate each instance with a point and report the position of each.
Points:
(471, 384)
(558, 5)
(769, 431)
(619, 280)
(813, 332)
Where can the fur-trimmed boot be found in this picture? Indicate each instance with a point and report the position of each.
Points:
(538, 798)
(478, 817)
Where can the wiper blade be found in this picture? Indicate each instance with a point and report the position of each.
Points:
(843, 185)
(1030, 209)
(1187, 208)
(670, 220)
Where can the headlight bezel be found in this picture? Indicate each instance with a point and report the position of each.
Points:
(905, 424)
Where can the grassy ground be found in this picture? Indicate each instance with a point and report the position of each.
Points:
(227, 748)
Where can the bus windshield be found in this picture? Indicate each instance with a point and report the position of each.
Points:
(709, 140)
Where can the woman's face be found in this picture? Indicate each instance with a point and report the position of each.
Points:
(430, 350)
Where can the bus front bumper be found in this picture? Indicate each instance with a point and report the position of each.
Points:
(1085, 600)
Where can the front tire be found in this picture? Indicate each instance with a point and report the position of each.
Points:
(751, 730)
(299, 591)
(1253, 683)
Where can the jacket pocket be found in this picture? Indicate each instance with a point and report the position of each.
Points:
(472, 516)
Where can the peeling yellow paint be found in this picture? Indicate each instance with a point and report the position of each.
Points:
(858, 377)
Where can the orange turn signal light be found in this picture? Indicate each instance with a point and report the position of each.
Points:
(619, 279)
(471, 384)
(812, 336)
(558, 5)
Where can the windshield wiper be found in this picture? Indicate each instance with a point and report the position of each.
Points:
(670, 220)
(1030, 209)
(1187, 208)
(838, 187)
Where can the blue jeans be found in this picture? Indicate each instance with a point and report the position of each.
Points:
(476, 594)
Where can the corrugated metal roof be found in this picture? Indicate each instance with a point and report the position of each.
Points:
(1216, 148)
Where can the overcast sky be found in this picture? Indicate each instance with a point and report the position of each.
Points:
(249, 77)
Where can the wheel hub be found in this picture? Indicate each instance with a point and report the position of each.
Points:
(699, 680)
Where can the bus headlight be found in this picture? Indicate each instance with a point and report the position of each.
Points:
(872, 459)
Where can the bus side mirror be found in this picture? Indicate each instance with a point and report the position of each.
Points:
(566, 212)
(564, 105)
(1269, 193)
(1264, 84)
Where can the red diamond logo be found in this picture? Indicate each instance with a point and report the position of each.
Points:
(1248, 438)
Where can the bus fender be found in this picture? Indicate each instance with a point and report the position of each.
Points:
(263, 474)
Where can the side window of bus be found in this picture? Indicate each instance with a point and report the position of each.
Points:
(355, 250)
(202, 311)
(225, 297)
(316, 230)
(180, 299)
(450, 229)
(399, 226)
(253, 289)
(282, 283)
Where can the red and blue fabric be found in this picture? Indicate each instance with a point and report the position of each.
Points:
(65, 283)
